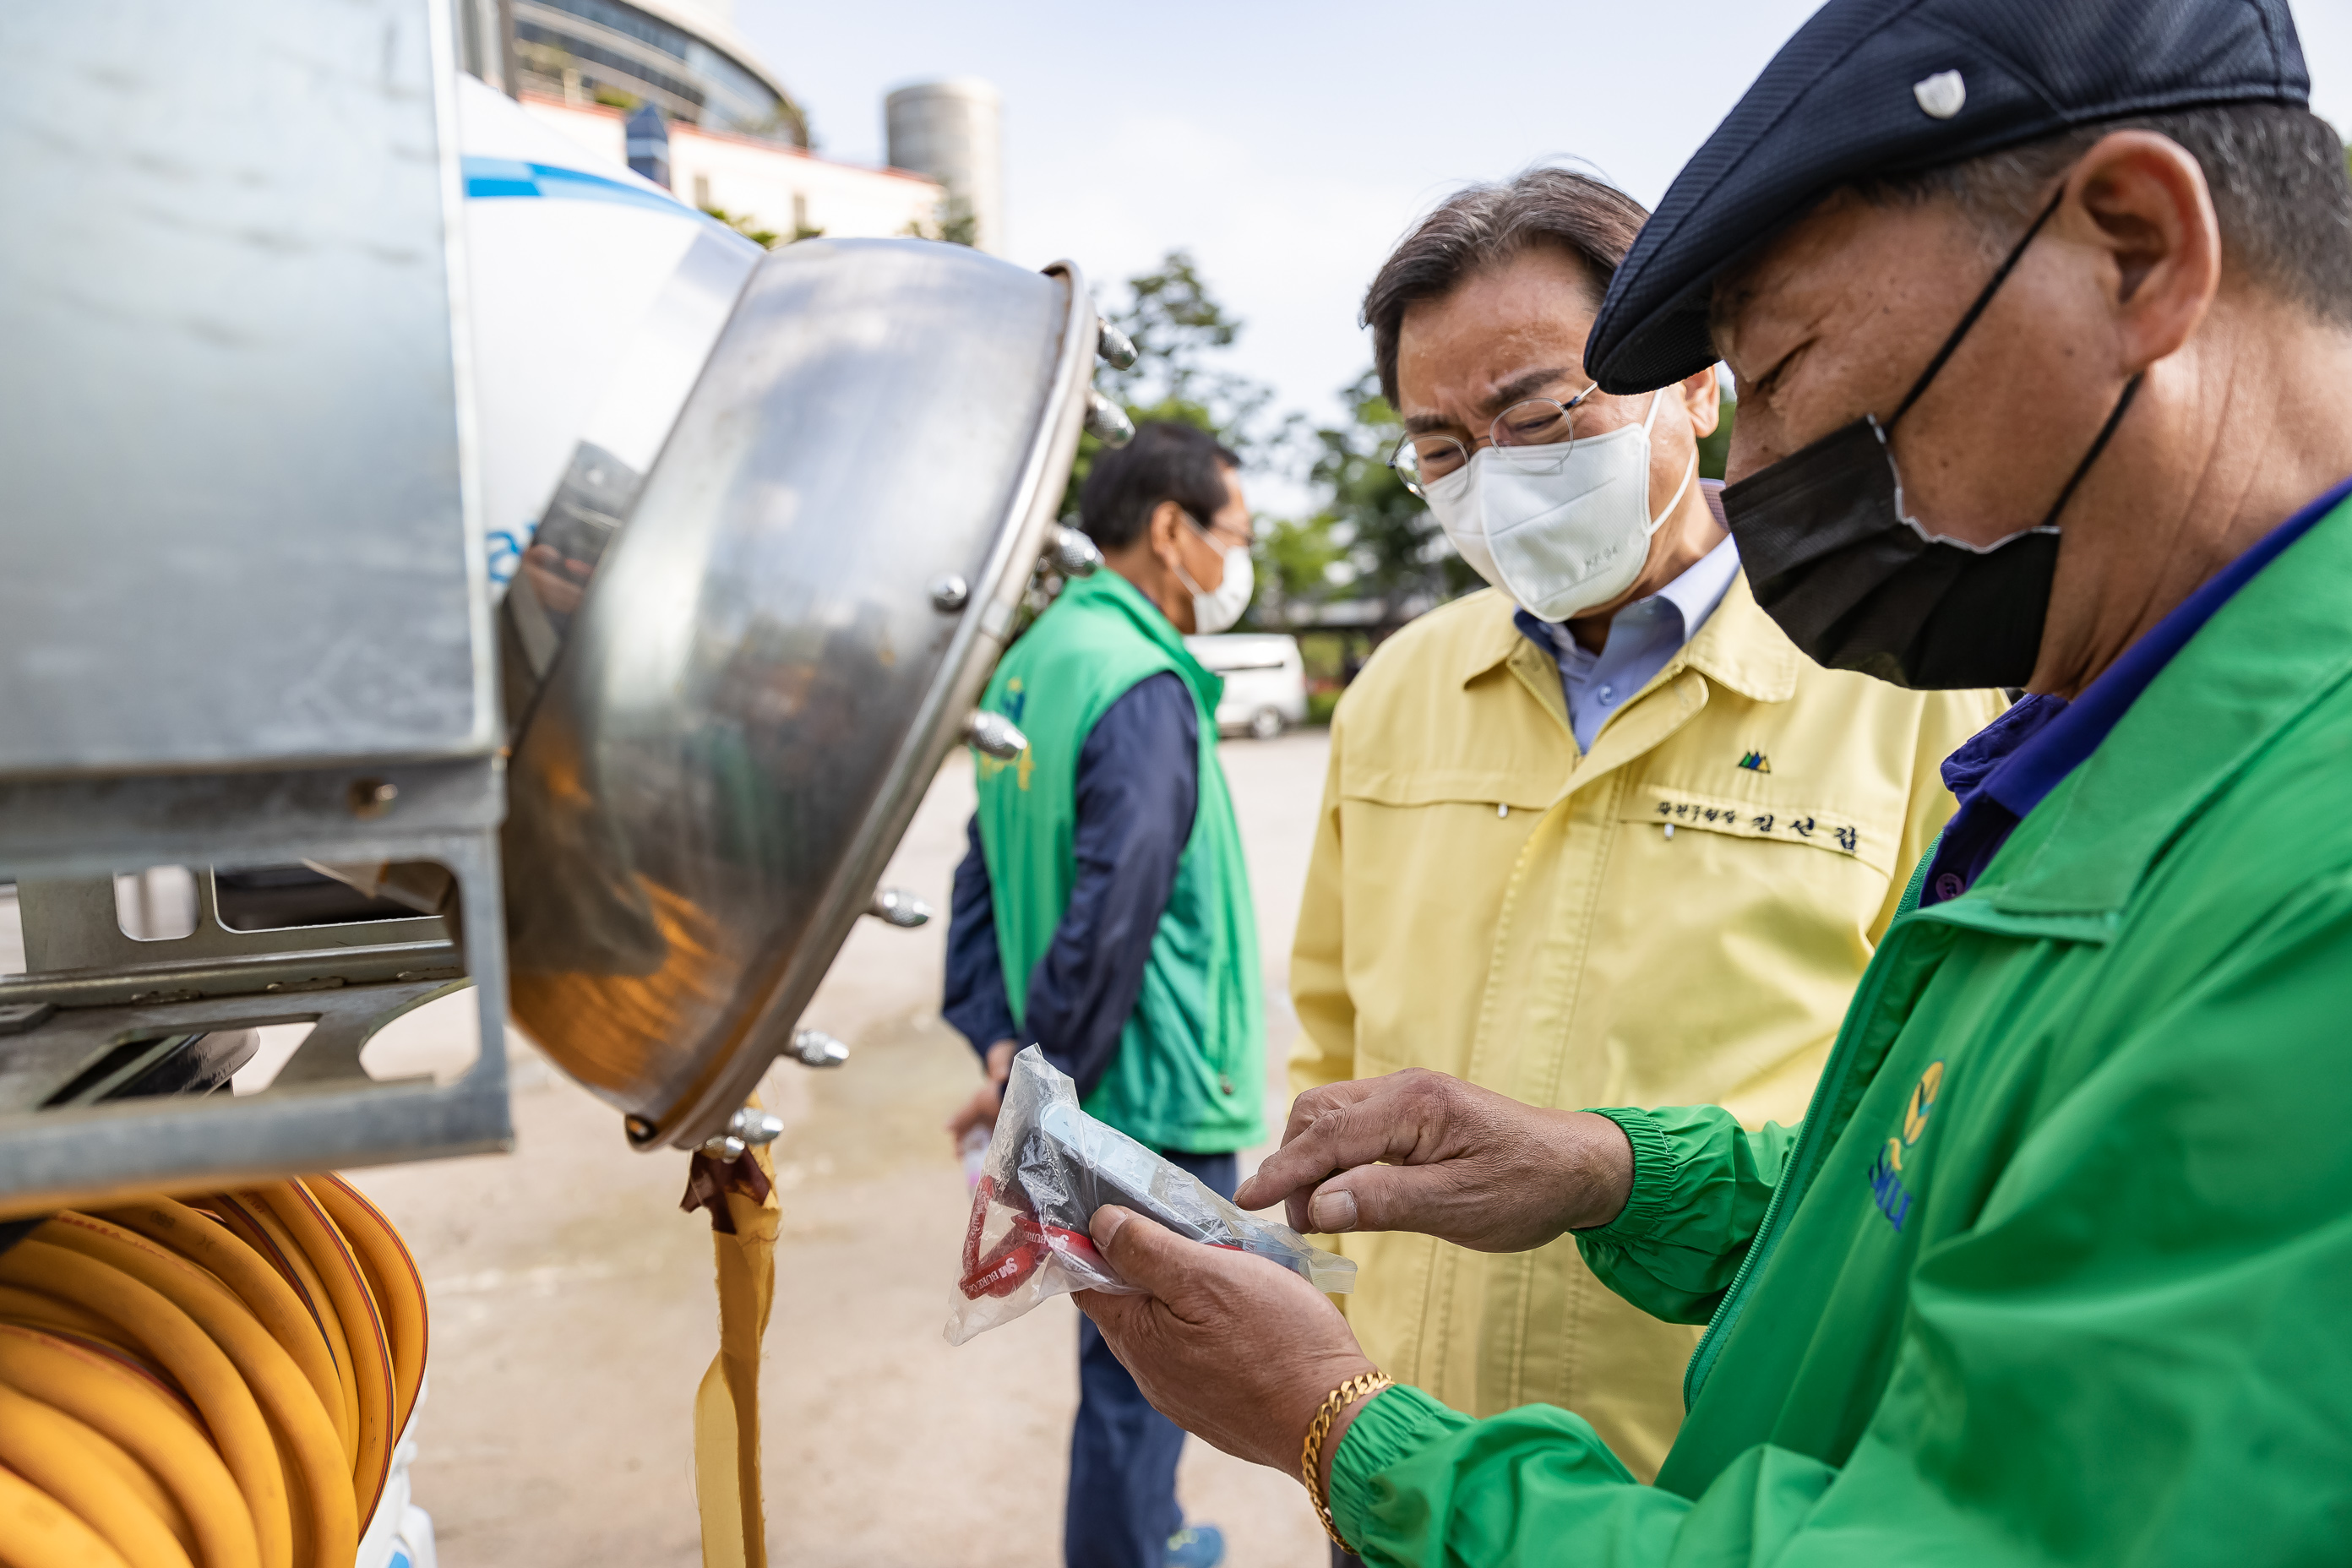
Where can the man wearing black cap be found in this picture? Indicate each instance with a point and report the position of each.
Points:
(2041, 317)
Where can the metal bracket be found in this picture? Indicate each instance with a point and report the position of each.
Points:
(95, 992)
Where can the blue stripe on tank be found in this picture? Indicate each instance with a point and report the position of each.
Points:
(495, 178)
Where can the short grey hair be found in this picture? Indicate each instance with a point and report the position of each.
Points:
(2281, 191)
(1487, 225)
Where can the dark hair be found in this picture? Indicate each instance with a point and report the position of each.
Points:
(2280, 189)
(1476, 228)
(1166, 462)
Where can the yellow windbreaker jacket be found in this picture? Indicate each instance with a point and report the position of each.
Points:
(1676, 919)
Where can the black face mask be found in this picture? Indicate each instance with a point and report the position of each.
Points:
(1857, 585)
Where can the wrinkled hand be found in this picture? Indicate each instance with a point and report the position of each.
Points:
(986, 1101)
(1420, 1151)
(1235, 1349)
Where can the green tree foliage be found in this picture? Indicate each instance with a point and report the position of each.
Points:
(1396, 554)
(749, 229)
(1179, 328)
(1712, 449)
(1299, 564)
(954, 223)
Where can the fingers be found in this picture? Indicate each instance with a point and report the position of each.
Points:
(1119, 1318)
(1386, 1197)
(1333, 1132)
(1332, 1209)
(1315, 1103)
(1144, 1253)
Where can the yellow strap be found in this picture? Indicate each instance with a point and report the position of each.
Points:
(726, 1406)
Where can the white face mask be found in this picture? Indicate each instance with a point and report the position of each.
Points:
(1216, 609)
(1562, 528)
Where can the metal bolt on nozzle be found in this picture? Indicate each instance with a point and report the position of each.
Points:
(1107, 422)
(815, 1048)
(899, 907)
(747, 1128)
(1072, 554)
(995, 736)
(1117, 349)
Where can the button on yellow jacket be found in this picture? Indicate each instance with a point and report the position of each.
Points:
(1676, 919)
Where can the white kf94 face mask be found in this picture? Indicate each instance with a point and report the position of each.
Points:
(1562, 528)
(1216, 609)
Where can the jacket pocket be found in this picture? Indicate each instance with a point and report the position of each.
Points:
(1521, 789)
(1827, 828)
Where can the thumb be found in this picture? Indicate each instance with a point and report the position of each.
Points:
(1143, 1252)
(1375, 1198)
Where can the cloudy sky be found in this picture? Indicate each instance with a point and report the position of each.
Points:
(1288, 143)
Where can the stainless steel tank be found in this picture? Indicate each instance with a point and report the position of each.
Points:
(785, 634)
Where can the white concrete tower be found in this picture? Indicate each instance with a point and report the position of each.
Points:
(953, 131)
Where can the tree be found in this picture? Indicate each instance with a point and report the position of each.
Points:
(1397, 554)
(1179, 328)
(1712, 449)
(748, 226)
(954, 224)
(1300, 565)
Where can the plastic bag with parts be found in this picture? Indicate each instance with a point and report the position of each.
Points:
(1049, 1166)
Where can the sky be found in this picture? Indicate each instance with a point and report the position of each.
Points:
(1289, 143)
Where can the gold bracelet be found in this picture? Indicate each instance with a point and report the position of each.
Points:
(1310, 1454)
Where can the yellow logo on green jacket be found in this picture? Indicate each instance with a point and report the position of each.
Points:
(1886, 1185)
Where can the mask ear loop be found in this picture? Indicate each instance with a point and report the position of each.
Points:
(1984, 298)
(1659, 522)
(1209, 540)
(2131, 390)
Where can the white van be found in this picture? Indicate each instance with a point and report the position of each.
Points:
(1265, 681)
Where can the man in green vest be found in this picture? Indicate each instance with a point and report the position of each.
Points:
(2040, 318)
(1104, 910)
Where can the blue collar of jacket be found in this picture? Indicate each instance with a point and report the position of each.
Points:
(2153, 737)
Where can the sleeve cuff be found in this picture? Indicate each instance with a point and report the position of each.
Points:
(1396, 1424)
(1654, 1178)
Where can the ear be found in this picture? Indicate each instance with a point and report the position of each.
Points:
(1167, 523)
(2142, 198)
(1702, 401)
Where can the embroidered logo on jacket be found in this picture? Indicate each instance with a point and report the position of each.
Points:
(1886, 1185)
(1755, 763)
(1015, 703)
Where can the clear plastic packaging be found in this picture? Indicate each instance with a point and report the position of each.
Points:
(1048, 1168)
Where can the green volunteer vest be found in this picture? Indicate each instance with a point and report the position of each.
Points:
(1191, 1070)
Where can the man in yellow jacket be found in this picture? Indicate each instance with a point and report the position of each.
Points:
(1599, 835)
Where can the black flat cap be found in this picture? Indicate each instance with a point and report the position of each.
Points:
(1885, 87)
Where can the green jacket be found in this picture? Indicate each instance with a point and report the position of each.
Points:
(1191, 1068)
(2059, 1268)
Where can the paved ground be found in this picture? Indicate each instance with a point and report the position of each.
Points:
(573, 1309)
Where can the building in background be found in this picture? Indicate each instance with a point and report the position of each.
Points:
(953, 131)
(683, 57)
(737, 141)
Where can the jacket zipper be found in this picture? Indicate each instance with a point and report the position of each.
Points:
(1726, 1315)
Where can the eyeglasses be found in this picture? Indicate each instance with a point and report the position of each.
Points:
(1215, 532)
(1422, 460)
